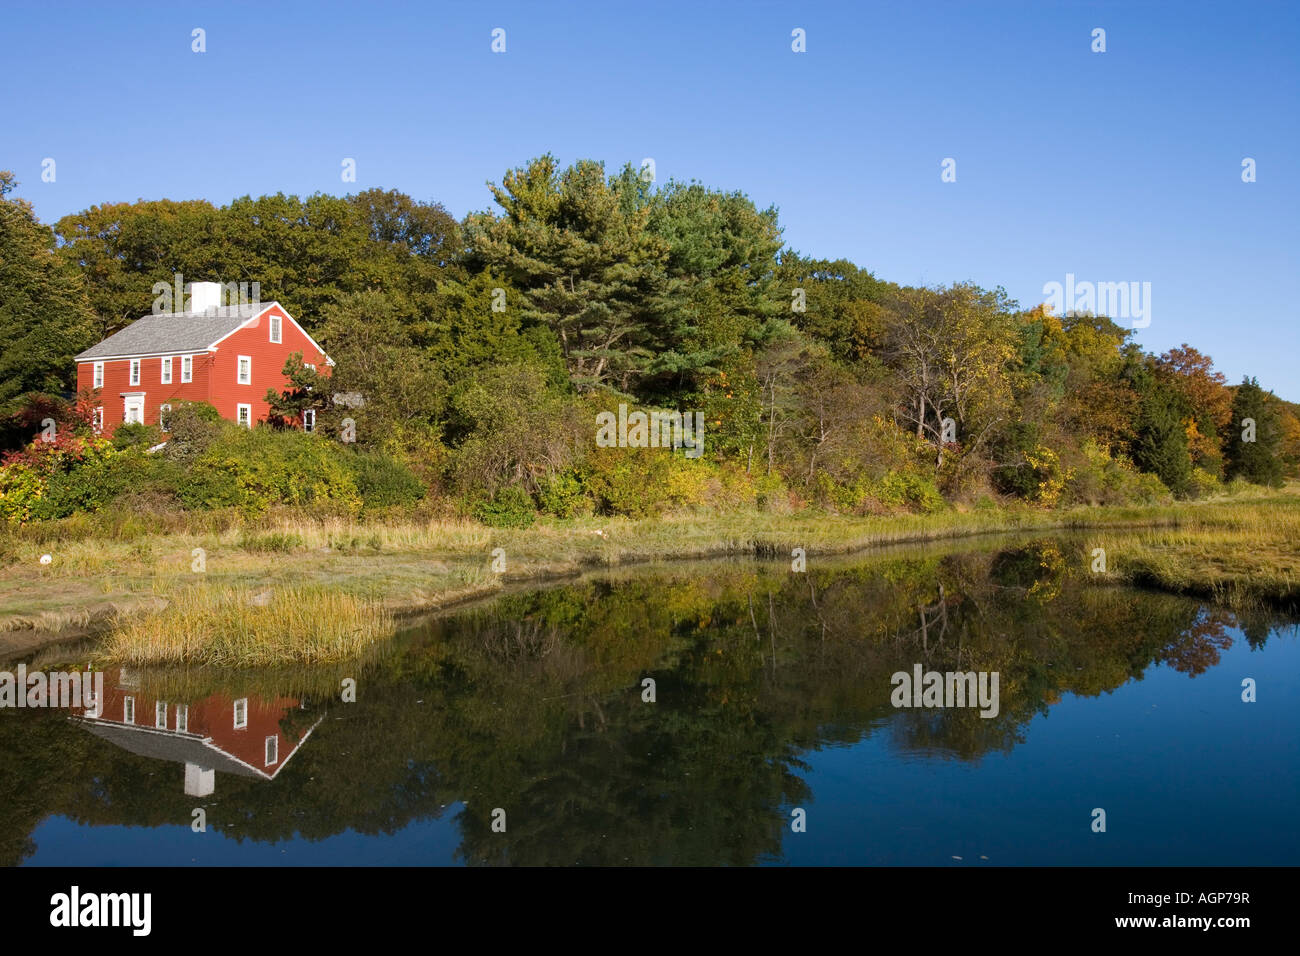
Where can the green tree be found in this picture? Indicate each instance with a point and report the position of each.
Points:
(577, 246)
(45, 319)
(722, 259)
(1255, 436)
(1161, 443)
(394, 395)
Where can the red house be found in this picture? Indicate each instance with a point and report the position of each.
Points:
(227, 356)
(244, 736)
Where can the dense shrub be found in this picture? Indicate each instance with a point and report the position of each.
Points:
(1033, 469)
(192, 428)
(57, 478)
(510, 507)
(1097, 477)
(383, 481)
(1203, 484)
(254, 469)
(563, 495)
(135, 435)
(892, 491)
(638, 482)
(515, 429)
(910, 491)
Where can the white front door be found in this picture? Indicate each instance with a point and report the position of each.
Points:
(133, 409)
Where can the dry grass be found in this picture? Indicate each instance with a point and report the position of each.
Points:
(1229, 549)
(1237, 556)
(224, 627)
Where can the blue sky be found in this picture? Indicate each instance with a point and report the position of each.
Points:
(1117, 167)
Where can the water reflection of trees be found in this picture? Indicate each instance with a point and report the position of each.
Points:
(534, 705)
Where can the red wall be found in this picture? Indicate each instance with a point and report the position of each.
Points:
(117, 379)
(225, 392)
(216, 376)
(212, 717)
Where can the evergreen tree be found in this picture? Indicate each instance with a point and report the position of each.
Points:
(577, 247)
(1254, 443)
(1161, 444)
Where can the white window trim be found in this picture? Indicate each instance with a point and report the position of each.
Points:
(241, 705)
(98, 421)
(250, 414)
(135, 371)
(272, 750)
(162, 410)
(309, 419)
(183, 718)
(160, 715)
(239, 366)
(276, 329)
(128, 710)
(165, 366)
(187, 368)
(98, 378)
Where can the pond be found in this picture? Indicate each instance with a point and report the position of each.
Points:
(708, 713)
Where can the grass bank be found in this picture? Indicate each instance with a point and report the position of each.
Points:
(235, 627)
(182, 596)
(1239, 557)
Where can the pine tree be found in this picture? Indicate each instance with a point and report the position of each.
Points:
(1161, 445)
(1254, 445)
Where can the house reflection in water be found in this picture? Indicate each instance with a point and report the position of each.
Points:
(241, 736)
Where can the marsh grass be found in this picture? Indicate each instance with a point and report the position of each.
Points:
(224, 627)
(1236, 550)
(1239, 556)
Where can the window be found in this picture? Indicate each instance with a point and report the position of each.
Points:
(135, 371)
(275, 328)
(309, 420)
(244, 415)
(183, 718)
(241, 713)
(128, 710)
(99, 418)
(163, 409)
(245, 370)
(272, 750)
(187, 368)
(160, 715)
(166, 369)
(99, 375)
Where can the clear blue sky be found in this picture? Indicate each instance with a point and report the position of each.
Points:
(1115, 166)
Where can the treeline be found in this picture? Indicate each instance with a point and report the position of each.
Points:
(484, 349)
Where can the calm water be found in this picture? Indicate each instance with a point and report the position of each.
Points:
(772, 694)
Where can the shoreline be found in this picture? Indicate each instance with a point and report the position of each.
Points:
(416, 571)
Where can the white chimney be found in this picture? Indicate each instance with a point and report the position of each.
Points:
(199, 781)
(204, 296)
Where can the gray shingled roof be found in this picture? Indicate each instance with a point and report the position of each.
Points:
(178, 332)
(166, 745)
